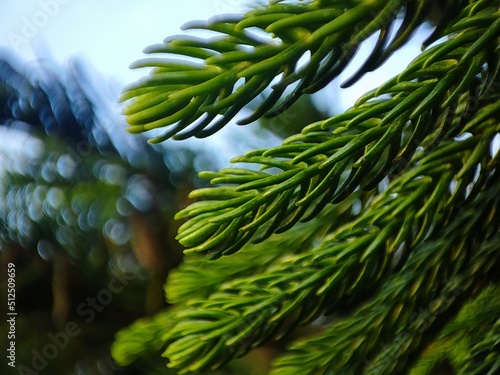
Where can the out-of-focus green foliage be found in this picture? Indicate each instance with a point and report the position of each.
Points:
(385, 217)
(82, 204)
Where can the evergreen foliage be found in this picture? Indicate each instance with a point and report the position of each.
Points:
(384, 217)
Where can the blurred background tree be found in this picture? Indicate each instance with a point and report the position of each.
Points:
(83, 202)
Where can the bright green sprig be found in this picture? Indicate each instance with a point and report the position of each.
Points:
(295, 289)
(334, 157)
(142, 338)
(220, 75)
(199, 277)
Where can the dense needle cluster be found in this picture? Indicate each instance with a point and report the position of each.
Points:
(417, 155)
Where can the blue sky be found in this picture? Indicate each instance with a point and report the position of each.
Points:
(111, 34)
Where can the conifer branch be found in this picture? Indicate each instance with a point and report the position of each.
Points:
(142, 338)
(220, 75)
(350, 262)
(447, 257)
(429, 238)
(332, 158)
(198, 277)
